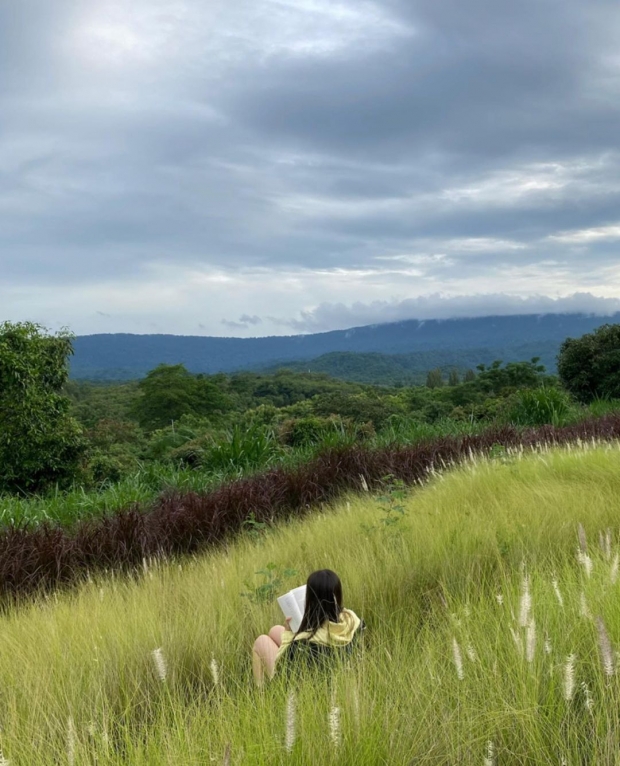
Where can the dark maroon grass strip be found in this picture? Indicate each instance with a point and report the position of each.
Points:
(43, 557)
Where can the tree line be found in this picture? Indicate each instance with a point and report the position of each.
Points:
(54, 431)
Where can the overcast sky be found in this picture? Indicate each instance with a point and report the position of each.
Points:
(251, 167)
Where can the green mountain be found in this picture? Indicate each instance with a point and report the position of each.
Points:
(425, 344)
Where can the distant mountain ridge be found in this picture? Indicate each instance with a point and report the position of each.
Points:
(511, 338)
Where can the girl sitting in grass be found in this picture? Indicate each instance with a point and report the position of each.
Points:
(327, 629)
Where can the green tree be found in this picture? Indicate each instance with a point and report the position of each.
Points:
(454, 378)
(589, 367)
(40, 443)
(169, 391)
(470, 376)
(434, 378)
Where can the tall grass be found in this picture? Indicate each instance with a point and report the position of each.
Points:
(477, 562)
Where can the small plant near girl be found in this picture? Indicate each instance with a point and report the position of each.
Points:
(391, 503)
(272, 585)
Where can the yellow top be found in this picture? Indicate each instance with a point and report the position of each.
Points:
(329, 634)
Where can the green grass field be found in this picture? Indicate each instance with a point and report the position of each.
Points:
(489, 639)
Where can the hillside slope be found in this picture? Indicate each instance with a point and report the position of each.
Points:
(487, 638)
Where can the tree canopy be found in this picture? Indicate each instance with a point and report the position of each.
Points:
(589, 366)
(40, 443)
(169, 391)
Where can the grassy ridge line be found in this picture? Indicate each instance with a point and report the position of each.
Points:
(48, 556)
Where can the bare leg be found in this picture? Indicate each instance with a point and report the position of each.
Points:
(264, 654)
(275, 634)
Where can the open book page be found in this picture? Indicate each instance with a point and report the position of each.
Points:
(293, 604)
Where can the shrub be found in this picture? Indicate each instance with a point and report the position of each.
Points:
(541, 406)
(252, 447)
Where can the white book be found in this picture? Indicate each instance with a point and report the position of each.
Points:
(293, 605)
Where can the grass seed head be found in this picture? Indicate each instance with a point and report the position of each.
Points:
(584, 609)
(526, 602)
(569, 677)
(160, 663)
(334, 726)
(583, 540)
(589, 702)
(458, 659)
(606, 649)
(289, 735)
(215, 671)
(70, 741)
(585, 561)
(530, 641)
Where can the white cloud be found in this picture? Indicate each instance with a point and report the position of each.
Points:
(587, 236)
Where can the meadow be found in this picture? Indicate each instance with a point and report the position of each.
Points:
(491, 598)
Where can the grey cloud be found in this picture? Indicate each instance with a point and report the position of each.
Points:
(234, 325)
(245, 321)
(330, 316)
(409, 131)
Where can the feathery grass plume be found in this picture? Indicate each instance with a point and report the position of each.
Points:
(364, 483)
(558, 592)
(585, 561)
(613, 572)
(530, 641)
(471, 653)
(289, 735)
(4, 761)
(145, 566)
(334, 726)
(548, 647)
(602, 542)
(608, 544)
(227, 755)
(584, 609)
(215, 671)
(604, 643)
(583, 540)
(569, 677)
(489, 758)
(500, 599)
(160, 663)
(526, 602)
(588, 697)
(70, 741)
(458, 659)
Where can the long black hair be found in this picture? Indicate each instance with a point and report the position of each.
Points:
(323, 600)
